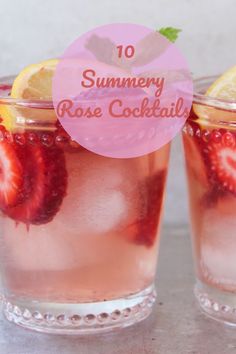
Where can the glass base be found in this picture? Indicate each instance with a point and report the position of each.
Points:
(216, 303)
(80, 318)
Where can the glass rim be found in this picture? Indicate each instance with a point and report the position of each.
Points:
(198, 97)
(6, 81)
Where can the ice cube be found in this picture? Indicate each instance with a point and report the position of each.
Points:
(101, 194)
(218, 245)
(41, 247)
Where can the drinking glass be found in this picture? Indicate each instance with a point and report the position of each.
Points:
(209, 140)
(79, 231)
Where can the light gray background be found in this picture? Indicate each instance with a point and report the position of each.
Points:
(33, 30)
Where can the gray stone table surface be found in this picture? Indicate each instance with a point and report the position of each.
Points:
(175, 327)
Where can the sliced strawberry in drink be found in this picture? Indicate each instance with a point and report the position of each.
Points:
(144, 231)
(45, 182)
(222, 161)
(11, 175)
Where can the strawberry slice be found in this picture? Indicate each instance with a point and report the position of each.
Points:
(45, 182)
(222, 160)
(11, 180)
(144, 231)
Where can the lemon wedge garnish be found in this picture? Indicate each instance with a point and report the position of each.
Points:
(34, 82)
(223, 88)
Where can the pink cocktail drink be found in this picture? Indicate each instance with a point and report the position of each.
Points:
(210, 149)
(80, 232)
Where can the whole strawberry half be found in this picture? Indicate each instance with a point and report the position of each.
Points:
(44, 177)
(144, 231)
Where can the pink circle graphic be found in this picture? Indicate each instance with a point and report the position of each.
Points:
(122, 90)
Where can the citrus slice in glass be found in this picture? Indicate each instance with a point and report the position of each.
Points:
(224, 88)
(33, 83)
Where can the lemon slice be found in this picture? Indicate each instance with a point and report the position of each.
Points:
(33, 82)
(224, 88)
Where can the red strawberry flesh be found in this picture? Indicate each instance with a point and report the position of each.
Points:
(222, 159)
(11, 180)
(45, 181)
(144, 231)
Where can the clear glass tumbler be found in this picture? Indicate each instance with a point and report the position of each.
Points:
(210, 149)
(80, 232)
